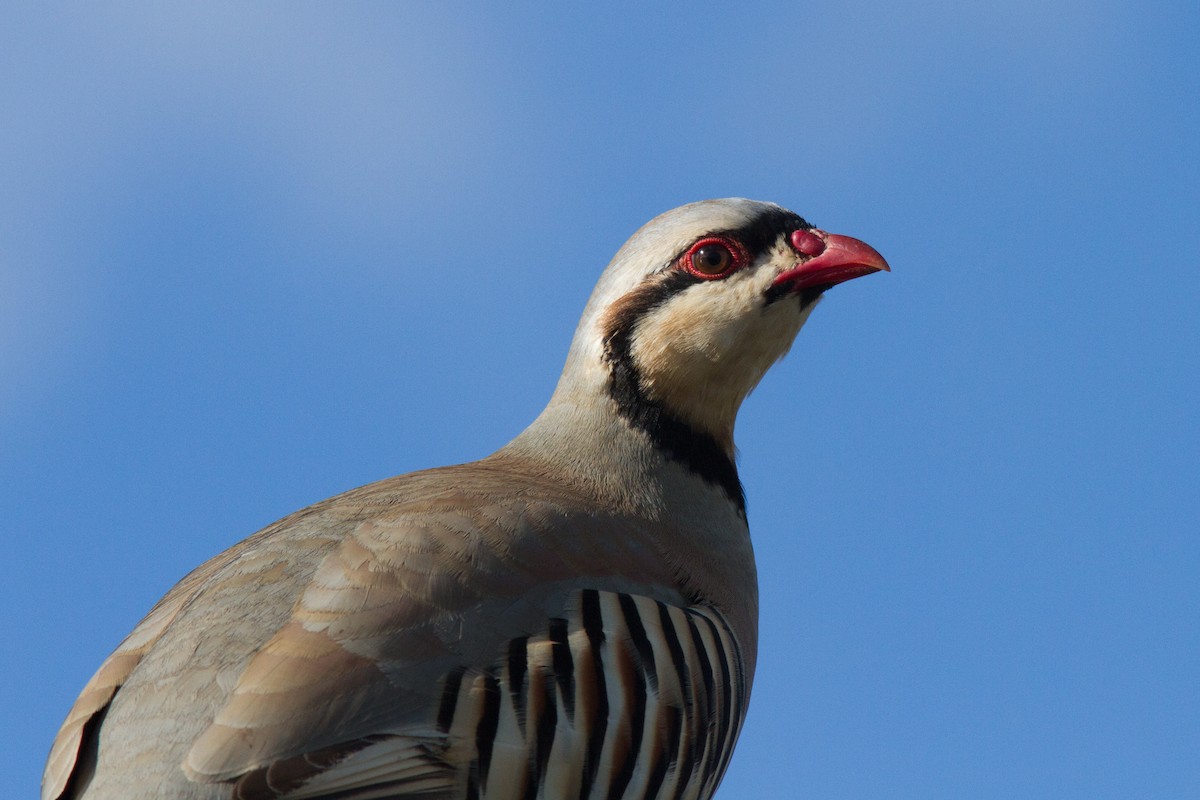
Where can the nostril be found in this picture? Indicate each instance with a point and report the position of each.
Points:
(808, 243)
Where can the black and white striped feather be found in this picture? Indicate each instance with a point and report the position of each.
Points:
(622, 697)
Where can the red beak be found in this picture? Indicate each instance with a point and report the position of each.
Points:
(834, 259)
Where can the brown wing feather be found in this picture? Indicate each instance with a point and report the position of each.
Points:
(338, 623)
(397, 605)
(98, 693)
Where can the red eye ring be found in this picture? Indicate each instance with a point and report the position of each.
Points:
(713, 257)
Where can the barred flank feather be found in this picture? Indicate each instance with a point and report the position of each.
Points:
(624, 697)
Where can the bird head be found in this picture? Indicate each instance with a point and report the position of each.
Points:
(700, 302)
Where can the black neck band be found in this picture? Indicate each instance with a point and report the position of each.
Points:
(697, 450)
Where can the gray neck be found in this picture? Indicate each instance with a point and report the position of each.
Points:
(581, 438)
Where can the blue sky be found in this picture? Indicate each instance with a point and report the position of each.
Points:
(252, 256)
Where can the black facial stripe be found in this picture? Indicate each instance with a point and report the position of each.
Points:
(760, 234)
(679, 441)
(763, 233)
(764, 230)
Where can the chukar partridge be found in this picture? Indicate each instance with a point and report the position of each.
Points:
(573, 616)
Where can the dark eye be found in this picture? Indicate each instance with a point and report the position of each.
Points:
(712, 258)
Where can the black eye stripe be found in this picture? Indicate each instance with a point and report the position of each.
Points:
(764, 230)
(756, 236)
